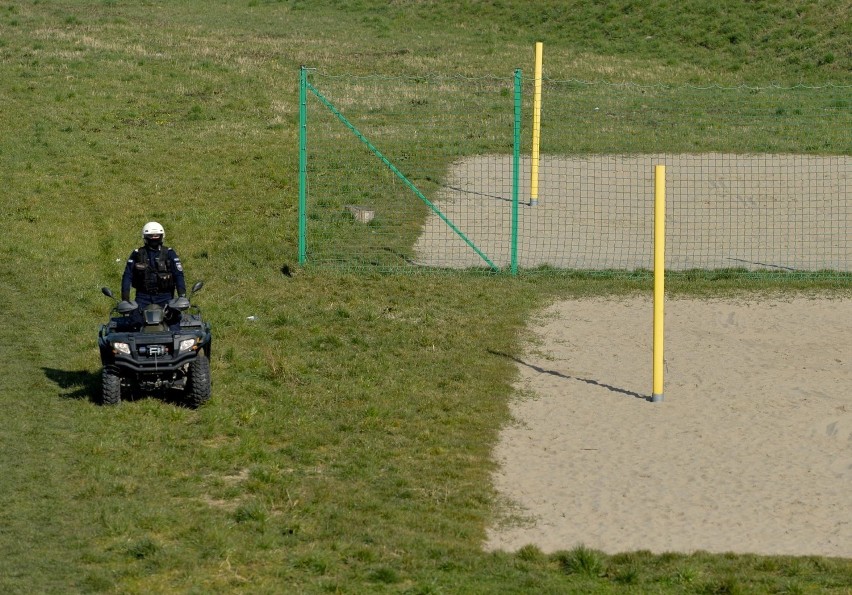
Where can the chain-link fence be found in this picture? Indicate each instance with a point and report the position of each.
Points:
(424, 173)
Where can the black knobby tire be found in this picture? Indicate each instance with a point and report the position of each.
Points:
(198, 381)
(110, 386)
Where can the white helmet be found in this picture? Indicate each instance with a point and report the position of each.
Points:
(152, 228)
(153, 235)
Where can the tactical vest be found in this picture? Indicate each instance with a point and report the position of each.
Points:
(156, 279)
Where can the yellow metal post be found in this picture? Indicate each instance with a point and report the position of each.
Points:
(536, 131)
(659, 277)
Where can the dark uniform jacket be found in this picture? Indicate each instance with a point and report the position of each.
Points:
(155, 274)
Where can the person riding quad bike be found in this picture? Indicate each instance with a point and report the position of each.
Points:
(158, 341)
(153, 270)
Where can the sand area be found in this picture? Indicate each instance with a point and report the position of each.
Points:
(750, 450)
(771, 212)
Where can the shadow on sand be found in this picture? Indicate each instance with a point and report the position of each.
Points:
(541, 370)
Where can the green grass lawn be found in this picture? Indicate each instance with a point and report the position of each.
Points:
(346, 447)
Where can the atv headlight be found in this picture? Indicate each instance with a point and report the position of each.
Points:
(119, 347)
(187, 344)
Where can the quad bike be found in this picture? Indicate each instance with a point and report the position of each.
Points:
(155, 348)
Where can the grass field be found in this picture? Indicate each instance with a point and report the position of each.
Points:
(347, 444)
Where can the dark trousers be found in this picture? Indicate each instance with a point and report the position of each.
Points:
(143, 299)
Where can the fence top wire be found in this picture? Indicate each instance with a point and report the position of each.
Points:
(714, 86)
(600, 82)
(412, 77)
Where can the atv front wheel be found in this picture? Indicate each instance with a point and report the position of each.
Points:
(110, 386)
(198, 381)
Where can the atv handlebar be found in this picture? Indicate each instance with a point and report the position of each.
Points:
(125, 307)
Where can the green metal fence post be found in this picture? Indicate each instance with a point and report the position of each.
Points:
(516, 159)
(303, 162)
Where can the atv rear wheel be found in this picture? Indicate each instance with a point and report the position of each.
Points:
(198, 381)
(110, 386)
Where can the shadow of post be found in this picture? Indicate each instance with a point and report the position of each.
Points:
(541, 370)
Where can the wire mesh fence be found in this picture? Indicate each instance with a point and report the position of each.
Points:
(435, 173)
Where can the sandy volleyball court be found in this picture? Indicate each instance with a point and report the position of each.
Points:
(751, 450)
(772, 212)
